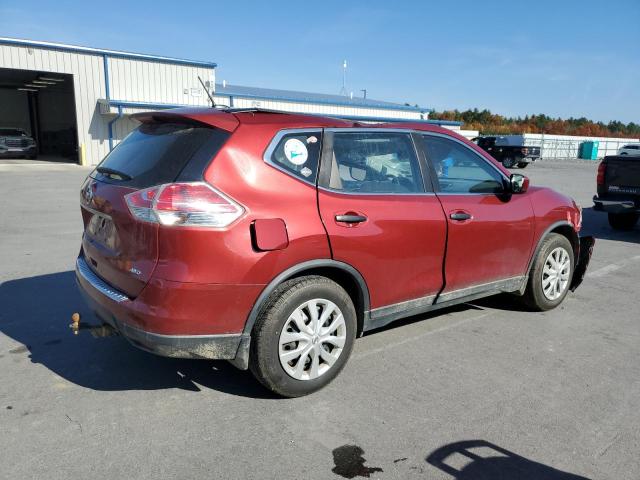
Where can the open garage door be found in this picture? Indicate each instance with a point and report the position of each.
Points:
(42, 106)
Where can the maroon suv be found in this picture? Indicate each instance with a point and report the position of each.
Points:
(273, 240)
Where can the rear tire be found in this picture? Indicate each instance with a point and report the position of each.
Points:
(551, 274)
(623, 221)
(291, 353)
(508, 162)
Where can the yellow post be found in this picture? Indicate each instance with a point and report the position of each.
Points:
(82, 154)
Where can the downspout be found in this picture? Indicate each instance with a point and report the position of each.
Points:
(105, 62)
(118, 117)
(107, 91)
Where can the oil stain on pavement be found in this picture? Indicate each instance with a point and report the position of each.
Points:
(350, 463)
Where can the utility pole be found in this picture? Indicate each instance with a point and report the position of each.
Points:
(343, 90)
(364, 92)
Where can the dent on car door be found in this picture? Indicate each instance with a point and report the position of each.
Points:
(381, 219)
(489, 232)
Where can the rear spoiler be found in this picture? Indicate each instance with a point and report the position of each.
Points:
(209, 117)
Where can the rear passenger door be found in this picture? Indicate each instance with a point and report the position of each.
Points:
(382, 218)
(490, 234)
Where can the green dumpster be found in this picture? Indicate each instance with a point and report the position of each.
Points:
(588, 150)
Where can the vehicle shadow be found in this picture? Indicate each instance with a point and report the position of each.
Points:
(596, 223)
(421, 317)
(482, 460)
(502, 301)
(36, 312)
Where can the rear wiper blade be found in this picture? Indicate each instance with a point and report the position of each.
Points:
(115, 174)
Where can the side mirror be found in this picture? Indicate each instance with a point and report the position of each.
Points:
(519, 183)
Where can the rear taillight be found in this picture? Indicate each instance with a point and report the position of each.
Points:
(184, 204)
(602, 169)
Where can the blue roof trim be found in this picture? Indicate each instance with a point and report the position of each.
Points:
(97, 51)
(397, 120)
(128, 104)
(299, 97)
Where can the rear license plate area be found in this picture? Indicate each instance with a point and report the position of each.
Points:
(101, 229)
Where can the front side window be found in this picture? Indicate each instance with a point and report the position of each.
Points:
(298, 153)
(375, 162)
(459, 169)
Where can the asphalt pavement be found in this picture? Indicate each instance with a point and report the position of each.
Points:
(477, 391)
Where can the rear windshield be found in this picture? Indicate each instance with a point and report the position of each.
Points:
(157, 153)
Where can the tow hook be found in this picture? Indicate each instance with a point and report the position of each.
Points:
(96, 331)
(75, 323)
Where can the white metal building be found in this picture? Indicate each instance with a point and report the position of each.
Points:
(55, 92)
(77, 101)
(236, 96)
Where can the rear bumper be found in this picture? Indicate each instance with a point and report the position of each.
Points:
(129, 316)
(615, 206)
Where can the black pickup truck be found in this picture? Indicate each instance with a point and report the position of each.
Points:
(619, 190)
(509, 150)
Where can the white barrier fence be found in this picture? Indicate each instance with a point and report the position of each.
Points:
(564, 147)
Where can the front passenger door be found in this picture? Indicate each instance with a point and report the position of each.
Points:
(490, 234)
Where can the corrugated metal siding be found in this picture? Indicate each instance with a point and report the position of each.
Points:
(130, 79)
(152, 82)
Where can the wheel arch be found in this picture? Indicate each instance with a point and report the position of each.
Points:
(563, 228)
(342, 273)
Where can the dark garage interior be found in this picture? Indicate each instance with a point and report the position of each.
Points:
(43, 105)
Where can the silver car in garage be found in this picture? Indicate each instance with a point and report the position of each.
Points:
(16, 143)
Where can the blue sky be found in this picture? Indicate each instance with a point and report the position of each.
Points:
(562, 58)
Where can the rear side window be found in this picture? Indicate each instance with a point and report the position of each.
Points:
(297, 153)
(376, 162)
(157, 153)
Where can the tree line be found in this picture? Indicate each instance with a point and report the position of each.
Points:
(491, 123)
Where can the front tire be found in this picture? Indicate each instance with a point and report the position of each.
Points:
(623, 221)
(523, 164)
(303, 336)
(508, 162)
(551, 274)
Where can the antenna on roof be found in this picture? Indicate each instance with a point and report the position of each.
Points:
(213, 103)
(343, 90)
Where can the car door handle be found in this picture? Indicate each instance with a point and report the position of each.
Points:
(460, 216)
(350, 218)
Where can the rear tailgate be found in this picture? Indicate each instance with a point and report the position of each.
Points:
(622, 177)
(121, 249)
